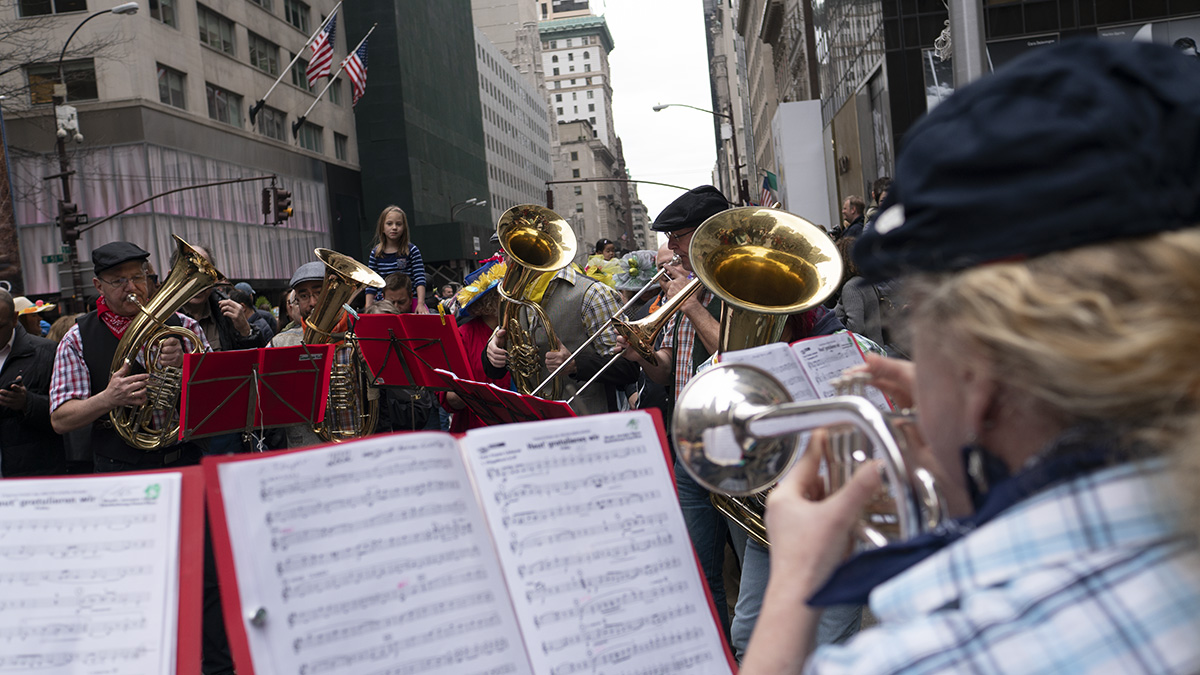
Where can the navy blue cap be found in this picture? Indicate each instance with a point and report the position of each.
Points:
(116, 253)
(1079, 143)
(691, 208)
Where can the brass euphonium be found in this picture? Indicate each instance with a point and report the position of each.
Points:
(155, 424)
(349, 414)
(535, 240)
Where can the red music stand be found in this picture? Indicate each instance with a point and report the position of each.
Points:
(403, 350)
(494, 405)
(248, 389)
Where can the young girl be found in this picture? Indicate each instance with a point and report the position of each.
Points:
(392, 252)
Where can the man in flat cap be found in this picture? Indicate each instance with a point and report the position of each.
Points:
(689, 341)
(83, 390)
(305, 286)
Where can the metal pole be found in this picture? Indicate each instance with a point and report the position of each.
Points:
(737, 164)
(966, 33)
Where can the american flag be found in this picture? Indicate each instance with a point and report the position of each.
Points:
(356, 68)
(322, 53)
(768, 195)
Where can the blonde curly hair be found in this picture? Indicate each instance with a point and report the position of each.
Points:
(1103, 333)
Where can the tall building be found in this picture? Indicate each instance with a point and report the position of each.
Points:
(594, 209)
(516, 129)
(162, 99)
(575, 62)
(562, 9)
(730, 96)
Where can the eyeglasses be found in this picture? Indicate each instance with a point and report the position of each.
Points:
(306, 296)
(678, 236)
(119, 282)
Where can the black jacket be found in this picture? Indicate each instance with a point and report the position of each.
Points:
(28, 444)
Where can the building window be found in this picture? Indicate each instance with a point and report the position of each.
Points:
(335, 92)
(341, 146)
(170, 86)
(588, 80)
(80, 77)
(586, 54)
(568, 42)
(554, 44)
(591, 94)
(570, 56)
(264, 54)
(215, 30)
(299, 77)
(40, 7)
(556, 71)
(574, 156)
(592, 120)
(587, 67)
(554, 59)
(544, 14)
(571, 69)
(272, 123)
(223, 106)
(164, 11)
(560, 110)
(310, 137)
(576, 110)
(296, 13)
(558, 98)
(265, 4)
(574, 96)
(578, 190)
(591, 107)
(574, 173)
(578, 207)
(572, 83)
(558, 84)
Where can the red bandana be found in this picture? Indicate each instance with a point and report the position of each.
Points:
(115, 322)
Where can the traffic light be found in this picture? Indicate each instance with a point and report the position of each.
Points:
(283, 205)
(69, 220)
(268, 200)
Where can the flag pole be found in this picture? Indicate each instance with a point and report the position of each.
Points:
(300, 120)
(254, 109)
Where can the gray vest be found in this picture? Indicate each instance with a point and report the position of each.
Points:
(563, 303)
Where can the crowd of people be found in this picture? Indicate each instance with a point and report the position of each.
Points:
(1031, 276)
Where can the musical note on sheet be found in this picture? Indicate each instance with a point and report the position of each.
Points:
(368, 557)
(597, 557)
(89, 574)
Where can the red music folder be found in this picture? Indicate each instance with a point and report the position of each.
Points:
(109, 572)
(403, 350)
(545, 547)
(495, 405)
(247, 389)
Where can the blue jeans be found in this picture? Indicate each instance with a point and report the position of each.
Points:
(706, 526)
(837, 623)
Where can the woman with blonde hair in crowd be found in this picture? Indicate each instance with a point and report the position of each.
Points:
(1044, 222)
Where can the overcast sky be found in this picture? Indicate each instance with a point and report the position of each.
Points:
(659, 56)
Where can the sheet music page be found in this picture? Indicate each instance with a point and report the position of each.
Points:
(368, 557)
(597, 557)
(777, 359)
(89, 574)
(826, 356)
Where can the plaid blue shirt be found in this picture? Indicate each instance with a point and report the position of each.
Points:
(1092, 576)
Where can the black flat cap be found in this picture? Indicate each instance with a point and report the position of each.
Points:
(115, 253)
(690, 209)
(1079, 143)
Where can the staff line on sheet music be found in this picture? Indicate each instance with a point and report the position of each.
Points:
(59, 630)
(606, 631)
(395, 649)
(591, 584)
(622, 550)
(301, 589)
(83, 602)
(627, 652)
(72, 524)
(286, 540)
(321, 638)
(678, 663)
(21, 662)
(292, 485)
(398, 595)
(567, 459)
(596, 481)
(435, 532)
(595, 504)
(368, 499)
(87, 550)
(99, 574)
(621, 526)
(607, 605)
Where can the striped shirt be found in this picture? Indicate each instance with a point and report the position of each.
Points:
(387, 263)
(1091, 576)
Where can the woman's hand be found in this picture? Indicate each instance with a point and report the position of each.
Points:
(894, 377)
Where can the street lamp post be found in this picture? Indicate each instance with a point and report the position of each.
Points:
(69, 218)
(743, 191)
(473, 201)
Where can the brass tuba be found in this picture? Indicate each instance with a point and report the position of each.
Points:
(349, 414)
(737, 432)
(155, 424)
(535, 240)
